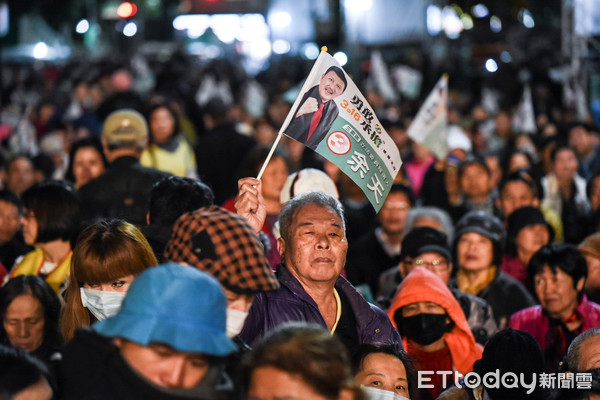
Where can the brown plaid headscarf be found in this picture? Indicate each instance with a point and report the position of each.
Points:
(224, 245)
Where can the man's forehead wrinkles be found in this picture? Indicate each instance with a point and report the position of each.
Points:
(328, 222)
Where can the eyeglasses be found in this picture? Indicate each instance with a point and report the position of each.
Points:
(398, 205)
(436, 265)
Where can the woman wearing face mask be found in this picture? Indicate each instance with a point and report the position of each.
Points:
(107, 257)
(434, 329)
(384, 371)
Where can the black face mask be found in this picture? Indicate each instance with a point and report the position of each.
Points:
(423, 329)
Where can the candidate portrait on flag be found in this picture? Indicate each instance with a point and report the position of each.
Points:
(333, 118)
(316, 111)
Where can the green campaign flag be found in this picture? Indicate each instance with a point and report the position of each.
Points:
(334, 119)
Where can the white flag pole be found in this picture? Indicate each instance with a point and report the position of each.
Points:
(275, 143)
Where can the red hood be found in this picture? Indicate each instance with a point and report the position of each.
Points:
(422, 285)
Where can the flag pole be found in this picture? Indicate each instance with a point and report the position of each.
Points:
(276, 142)
(264, 166)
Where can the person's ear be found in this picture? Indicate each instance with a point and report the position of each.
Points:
(148, 218)
(580, 284)
(281, 248)
(347, 394)
(402, 268)
(118, 342)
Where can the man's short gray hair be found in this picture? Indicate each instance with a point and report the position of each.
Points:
(290, 208)
(427, 212)
(576, 348)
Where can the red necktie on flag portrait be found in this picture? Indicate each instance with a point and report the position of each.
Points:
(314, 122)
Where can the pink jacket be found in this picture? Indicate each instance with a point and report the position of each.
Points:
(532, 320)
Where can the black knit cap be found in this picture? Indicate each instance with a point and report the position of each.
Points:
(485, 224)
(513, 351)
(422, 239)
(527, 216)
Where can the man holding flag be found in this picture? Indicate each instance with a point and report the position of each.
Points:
(313, 243)
(313, 248)
(316, 112)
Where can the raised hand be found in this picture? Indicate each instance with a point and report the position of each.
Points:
(250, 203)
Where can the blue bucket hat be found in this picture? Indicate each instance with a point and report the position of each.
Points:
(176, 305)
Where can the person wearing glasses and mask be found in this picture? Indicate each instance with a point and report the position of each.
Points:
(434, 329)
(427, 247)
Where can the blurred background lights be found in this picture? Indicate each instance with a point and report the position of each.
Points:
(82, 26)
(40, 50)
(280, 19)
(225, 26)
(480, 11)
(341, 58)
(126, 10)
(490, 65)
(195, 25)
(451, 22)
(252, 27)
(526, 18)
(310, 51)
(281, 46)
(434, 20)
(257, 49)
(358, 6)
(505, 56)
(130, 29)
(467, 21)
(495, 24)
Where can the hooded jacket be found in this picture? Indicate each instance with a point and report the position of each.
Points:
(422, 285)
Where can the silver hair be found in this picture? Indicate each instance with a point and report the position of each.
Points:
(290, 209)
(576, 348)
(428, 212)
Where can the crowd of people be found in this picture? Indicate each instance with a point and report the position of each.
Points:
(141, 258)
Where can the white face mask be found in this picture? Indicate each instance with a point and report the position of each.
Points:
(378, 394)
(235, 322)
(102, 304)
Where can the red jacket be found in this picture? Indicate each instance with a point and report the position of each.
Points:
(534, 321)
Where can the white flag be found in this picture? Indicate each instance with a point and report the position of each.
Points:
(580, 103)
(408, 81)
(524, 118)
(381, 78)
(429, 126)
